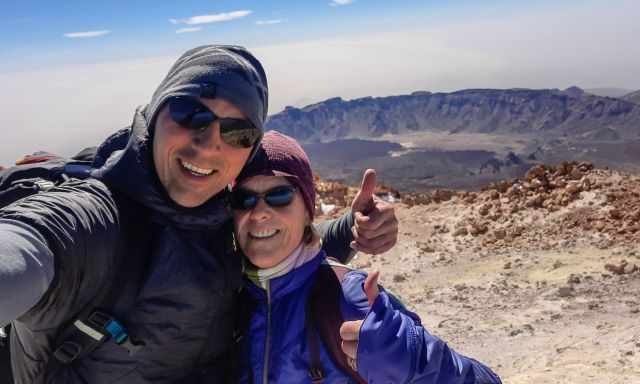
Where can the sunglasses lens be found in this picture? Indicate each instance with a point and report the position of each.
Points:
(242, 200)
(190, 113)
(201, 119)
(276, 197)
(279, 197)
(239, 133)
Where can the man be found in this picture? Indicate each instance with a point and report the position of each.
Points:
(139, 252)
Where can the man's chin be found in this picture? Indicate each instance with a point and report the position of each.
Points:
(192, 198)
(188, 201)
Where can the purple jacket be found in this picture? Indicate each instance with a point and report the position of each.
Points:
(393, 345)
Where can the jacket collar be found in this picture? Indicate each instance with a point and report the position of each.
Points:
(289, 282)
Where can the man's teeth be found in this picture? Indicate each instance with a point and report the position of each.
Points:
(264, 234)
(196, 170)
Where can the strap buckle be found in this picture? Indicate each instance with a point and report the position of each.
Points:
(67, 352)
(316, 374)
(99, 319)
(121, 337)
(89, 334)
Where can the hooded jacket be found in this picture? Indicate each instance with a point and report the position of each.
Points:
(182, 309)
(393, 346)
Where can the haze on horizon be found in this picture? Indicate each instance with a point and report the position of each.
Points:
(64, 92)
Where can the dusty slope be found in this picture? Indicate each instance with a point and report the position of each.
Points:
(538, 278)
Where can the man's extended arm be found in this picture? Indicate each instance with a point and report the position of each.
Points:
(337, 236)
(26, 269)
(45, 241)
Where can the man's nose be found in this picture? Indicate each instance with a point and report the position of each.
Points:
(208, 138)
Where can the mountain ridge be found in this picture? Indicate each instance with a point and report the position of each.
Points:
(571, 112)
(633, 97)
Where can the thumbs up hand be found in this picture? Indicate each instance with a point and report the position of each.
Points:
(371, 287)
(375, 227)
(350, 330)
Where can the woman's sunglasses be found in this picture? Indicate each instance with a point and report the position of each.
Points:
(192, 114)
(242, 199)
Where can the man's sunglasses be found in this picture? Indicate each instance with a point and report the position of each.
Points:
(242, 199)
(192, 114)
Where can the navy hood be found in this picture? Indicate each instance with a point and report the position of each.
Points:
(125, 160)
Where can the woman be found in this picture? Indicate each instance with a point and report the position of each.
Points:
(273, 202)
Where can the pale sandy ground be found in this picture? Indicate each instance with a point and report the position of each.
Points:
(542, 291)
(513, 316)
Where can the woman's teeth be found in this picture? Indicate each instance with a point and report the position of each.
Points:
(196, 170)
(263, 234)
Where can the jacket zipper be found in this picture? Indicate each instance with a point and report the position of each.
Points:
(267, 342)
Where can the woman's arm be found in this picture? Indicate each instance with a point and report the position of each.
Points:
(394, 347)
(391, 346)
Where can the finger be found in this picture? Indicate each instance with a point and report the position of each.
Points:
(380, 214)
(371, 286)
(376, 246)
(374, 251)
(390, 225)
(363, 201)
(375, 242)
(354, 233)
(350, 348)
(350, 330)
(360, 218)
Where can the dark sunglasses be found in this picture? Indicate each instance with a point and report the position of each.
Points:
(242, 199)
(192, 114)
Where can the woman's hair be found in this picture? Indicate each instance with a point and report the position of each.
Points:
(311, 235)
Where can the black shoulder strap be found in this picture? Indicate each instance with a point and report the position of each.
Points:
(324, 315)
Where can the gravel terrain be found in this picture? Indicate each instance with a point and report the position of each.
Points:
(537, 277)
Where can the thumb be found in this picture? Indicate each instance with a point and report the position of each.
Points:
(363, 201)
(371, 287)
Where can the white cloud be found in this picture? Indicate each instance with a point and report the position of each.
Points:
(188, 30)
(270, 22)
(215, 18)
(336, 3)
(87, 34)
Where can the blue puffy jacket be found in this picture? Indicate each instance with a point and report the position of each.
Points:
(393, 345)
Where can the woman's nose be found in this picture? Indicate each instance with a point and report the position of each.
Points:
(261, 211)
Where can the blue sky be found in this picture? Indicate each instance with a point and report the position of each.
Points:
(33, 30)
(70, 91)
(58, 32)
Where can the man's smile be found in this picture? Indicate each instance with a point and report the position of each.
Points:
(195, 170)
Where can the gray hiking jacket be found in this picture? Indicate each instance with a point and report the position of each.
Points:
(181, 309)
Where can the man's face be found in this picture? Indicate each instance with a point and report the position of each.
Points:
(194, 165)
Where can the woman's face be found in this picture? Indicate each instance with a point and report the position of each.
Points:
(267, 235)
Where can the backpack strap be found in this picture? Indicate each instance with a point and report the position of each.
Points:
(37, 173)
(324, 315)
(316, 371)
